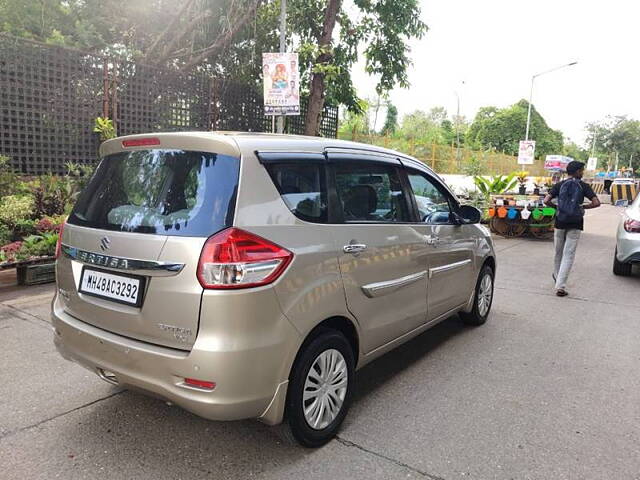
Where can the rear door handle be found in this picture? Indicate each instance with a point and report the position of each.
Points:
(354, 248)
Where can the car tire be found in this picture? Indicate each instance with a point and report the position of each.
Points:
(331, 357)
(482, 299)
(620, 268)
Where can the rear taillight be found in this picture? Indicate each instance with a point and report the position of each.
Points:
(59, 242)
(234, 258)
(631, 225)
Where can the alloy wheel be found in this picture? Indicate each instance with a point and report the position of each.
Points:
(485, 294)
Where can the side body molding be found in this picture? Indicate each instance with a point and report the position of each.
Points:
(382, 288)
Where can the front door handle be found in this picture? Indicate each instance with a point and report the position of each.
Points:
(354, 248)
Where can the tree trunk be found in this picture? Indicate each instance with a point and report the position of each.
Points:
(316, 94)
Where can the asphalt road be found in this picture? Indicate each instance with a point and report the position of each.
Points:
(549, 388)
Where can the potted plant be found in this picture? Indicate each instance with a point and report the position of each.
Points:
(522, 180)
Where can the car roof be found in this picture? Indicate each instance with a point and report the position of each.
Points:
(249, 142)
(272, 141)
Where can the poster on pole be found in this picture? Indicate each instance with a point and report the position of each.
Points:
(281, 83)
(592, 164)
(526, 152)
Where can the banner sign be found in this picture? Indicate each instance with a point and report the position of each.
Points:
(556, 162)
(281, 83)
(526, 152)
(592, 164)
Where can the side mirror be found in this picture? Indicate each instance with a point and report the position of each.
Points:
(467, 214)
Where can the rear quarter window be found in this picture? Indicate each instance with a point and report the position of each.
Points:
(303, 189)
(165, 192)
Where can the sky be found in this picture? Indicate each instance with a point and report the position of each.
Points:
(495, 46)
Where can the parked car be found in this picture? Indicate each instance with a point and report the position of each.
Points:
(250, 275)
(628, 240)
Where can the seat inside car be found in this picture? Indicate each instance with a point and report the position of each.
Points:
(360, 203)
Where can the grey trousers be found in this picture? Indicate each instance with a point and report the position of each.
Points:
(566, 242)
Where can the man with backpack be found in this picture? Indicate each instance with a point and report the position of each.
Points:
(570, 194)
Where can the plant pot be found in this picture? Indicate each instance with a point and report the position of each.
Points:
(522, 190)
(36, 274)
(536, 191)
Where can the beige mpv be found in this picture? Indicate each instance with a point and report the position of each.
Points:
(249, 275)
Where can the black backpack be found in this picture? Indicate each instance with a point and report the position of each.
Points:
(570, 201)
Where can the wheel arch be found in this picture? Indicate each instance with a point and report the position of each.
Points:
(491, 262)
(341, 324)
(276, 411)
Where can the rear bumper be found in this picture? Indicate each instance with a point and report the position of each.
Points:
(628, 246)
(249, 378)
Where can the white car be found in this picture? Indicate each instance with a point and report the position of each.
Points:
(628, 240)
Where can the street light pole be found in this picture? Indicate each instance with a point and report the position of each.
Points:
(458, 124)
(526, 135)
(457, 120)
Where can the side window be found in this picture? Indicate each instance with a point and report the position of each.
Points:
(433, 205)
(369, 192)
(303, 189)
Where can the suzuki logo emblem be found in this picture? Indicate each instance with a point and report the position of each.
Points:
(104, 243)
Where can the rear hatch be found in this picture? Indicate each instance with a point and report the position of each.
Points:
(131, 245)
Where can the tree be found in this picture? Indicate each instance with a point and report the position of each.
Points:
(433, 126)
(502, 129)
(573, 150)
(226, 38)
(438, 115)
(380, 30)
(356, 123)
(419, 126)
(616, 136)
(391, 122)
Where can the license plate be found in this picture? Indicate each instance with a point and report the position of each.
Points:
(119, 288)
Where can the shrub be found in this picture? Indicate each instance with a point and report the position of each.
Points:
(474, 167)
(12, 252)
(474, 198)
(14, 208)
(47, 224)
(79, 174)
(24, 228)
(5, 235)
(495, 185)
(105, 127)
(8, 178)
(39, 245)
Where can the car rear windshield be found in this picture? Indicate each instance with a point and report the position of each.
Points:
(165, 192)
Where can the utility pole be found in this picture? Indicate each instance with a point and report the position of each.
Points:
(593, 144)
(283, 48)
